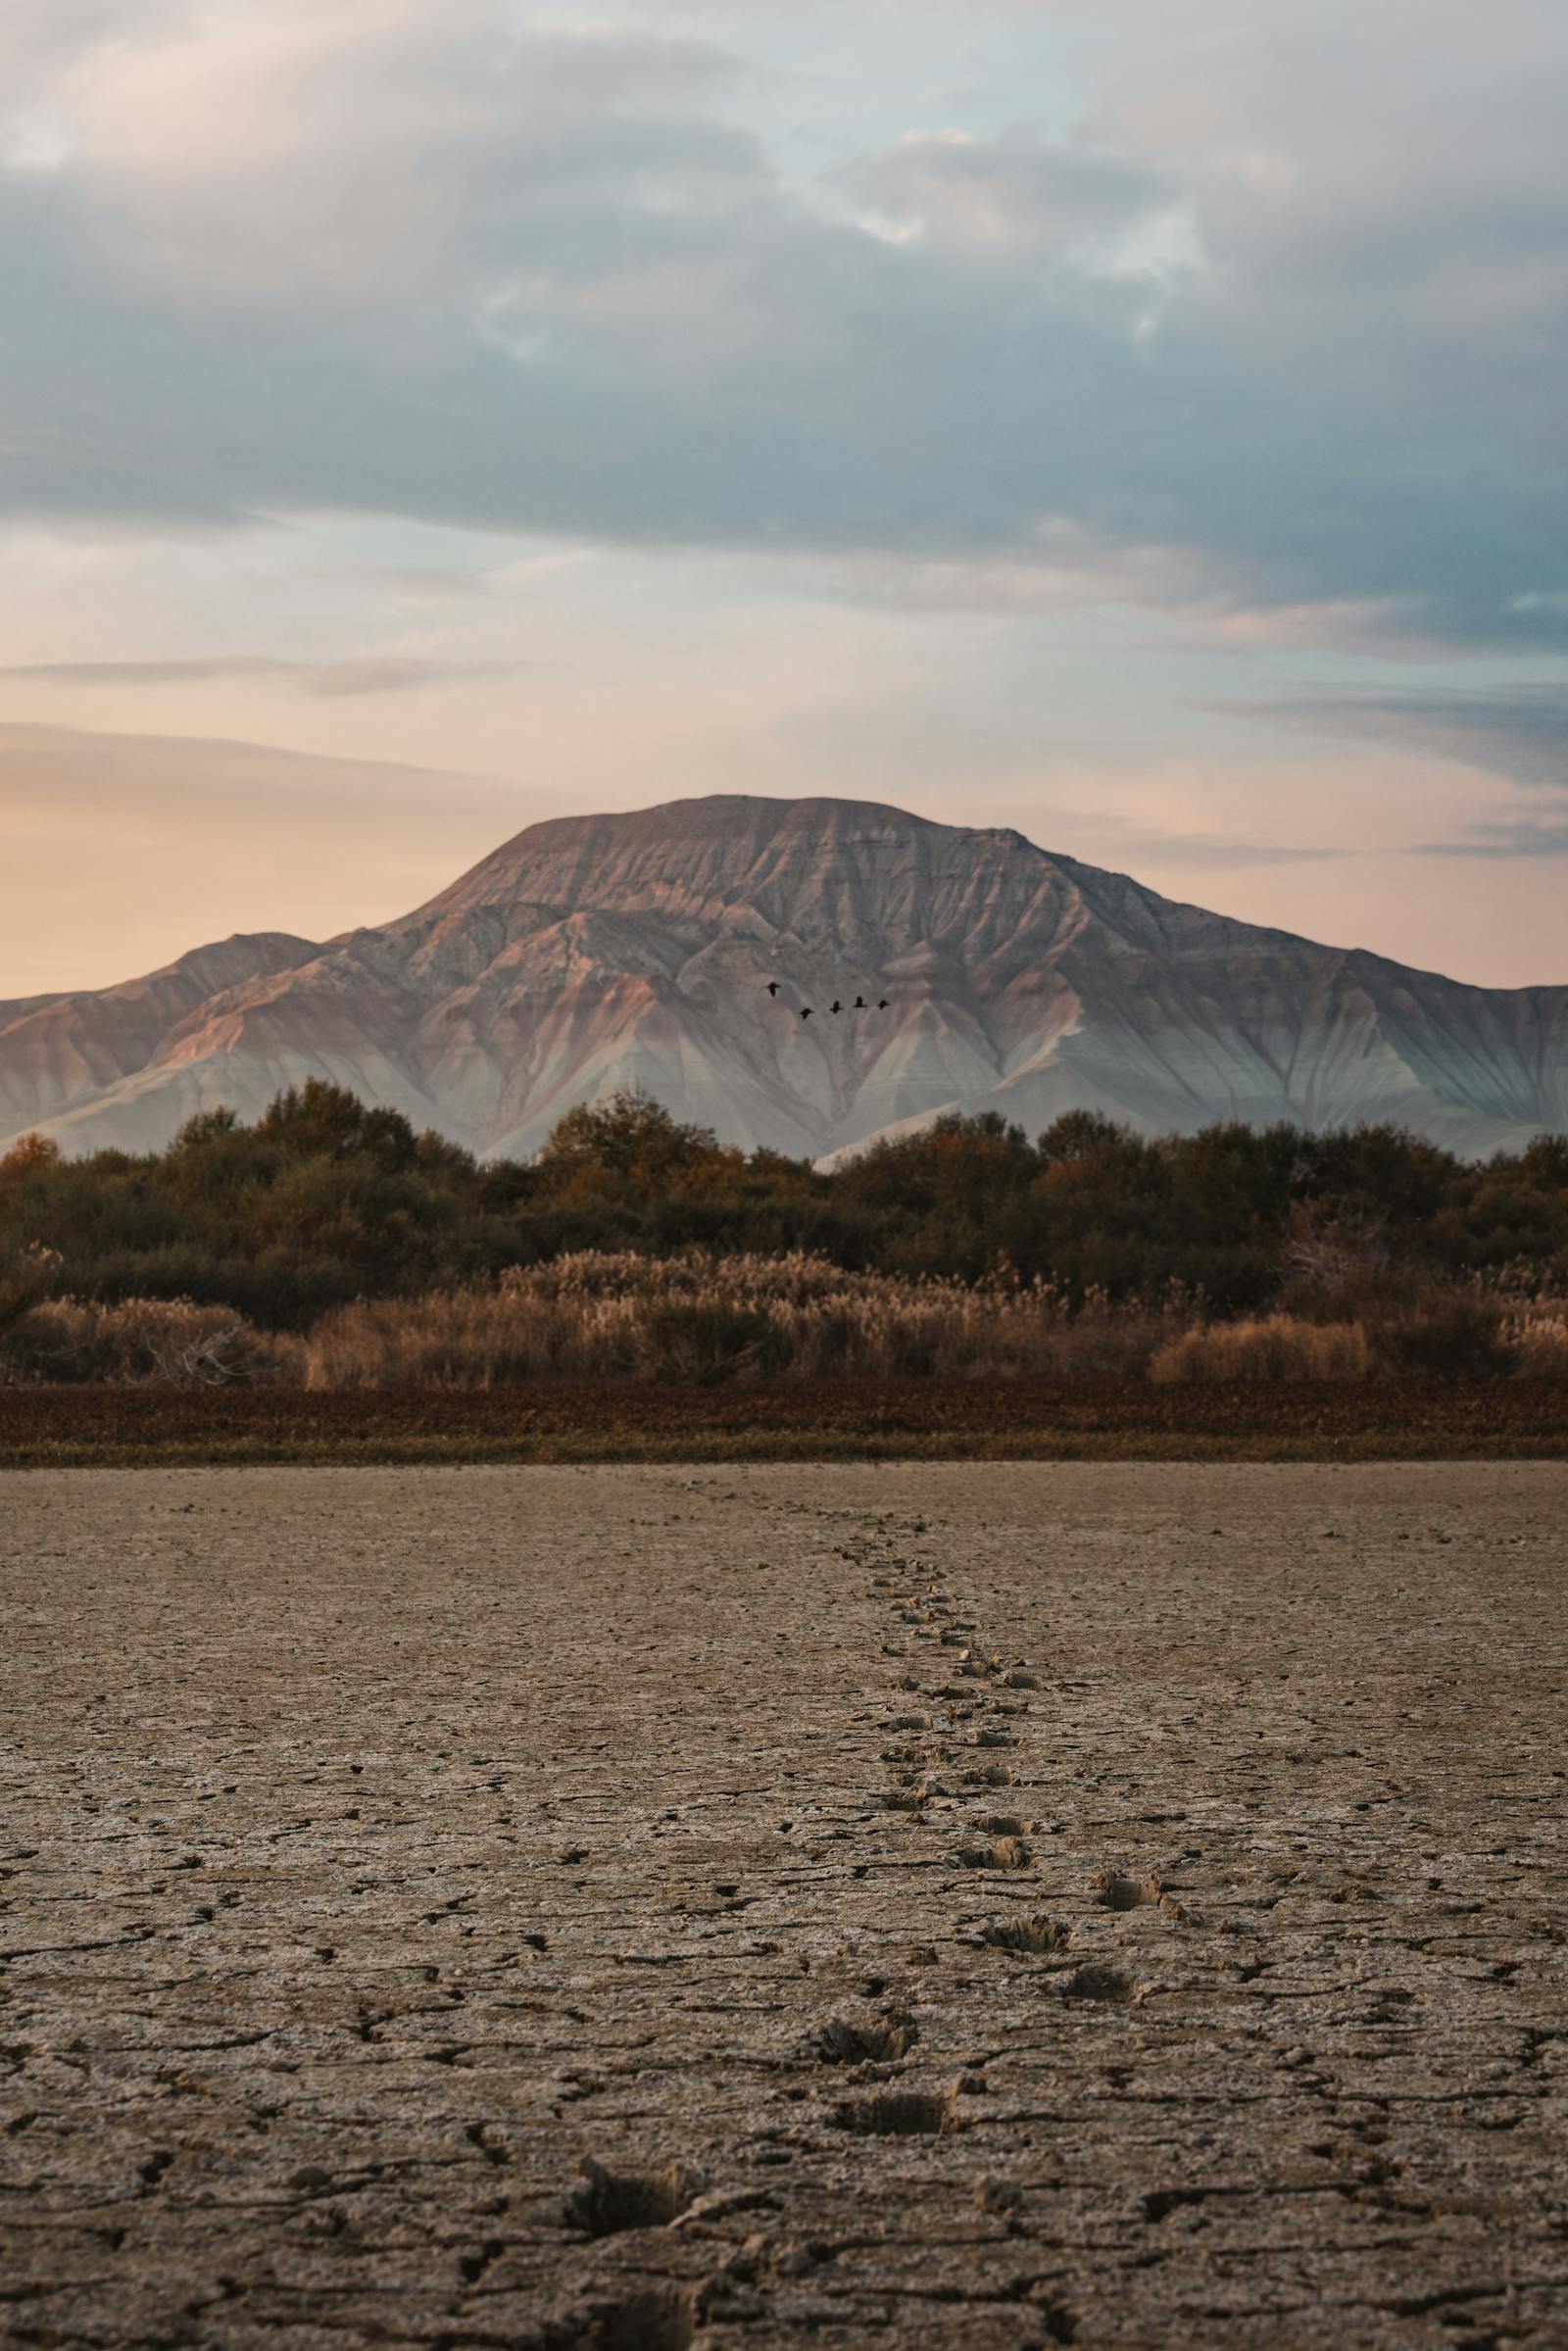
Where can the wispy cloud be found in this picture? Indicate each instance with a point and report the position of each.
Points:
(1521, 837)
(391, 673)
(1118, 836)
(386, 673)
(198, 671)
(1217, 850)
(1519, 731)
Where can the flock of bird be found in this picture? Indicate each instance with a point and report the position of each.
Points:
(860, 1005)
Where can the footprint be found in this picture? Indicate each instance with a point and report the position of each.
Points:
(661, 2319)
(471, 2266)
(1095, 1982)
(1114, 1891)
(841, 2042)
(1034, 1934)
(1002, 1853)
(998, 2197)
(609, 2202)
(1179, 1913)
(899, 2114)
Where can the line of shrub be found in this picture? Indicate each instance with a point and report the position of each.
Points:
(329, 1234)
(699, 1320)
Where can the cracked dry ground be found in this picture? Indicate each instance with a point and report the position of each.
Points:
(973, 1905)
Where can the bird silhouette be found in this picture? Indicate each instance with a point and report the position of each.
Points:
(806, 1012)
(835, 1006)
(772, 987)
(859, 1004)
(882, 1003)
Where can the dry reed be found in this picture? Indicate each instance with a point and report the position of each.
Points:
(140, 1342)
(604, 1316)
(1271, 1348)
(599, 1315)
(1534, 1335)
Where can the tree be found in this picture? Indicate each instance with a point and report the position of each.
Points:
(1078, 1136)
(631, 1136)
(29, 1155)
(322, 1121)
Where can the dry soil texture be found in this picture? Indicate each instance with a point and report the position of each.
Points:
(639, 1907)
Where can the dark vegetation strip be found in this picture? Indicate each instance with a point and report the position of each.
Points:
(324, 1201)
(913, 1419)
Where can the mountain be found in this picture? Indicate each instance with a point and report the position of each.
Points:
(599, 952)
(59, 1052)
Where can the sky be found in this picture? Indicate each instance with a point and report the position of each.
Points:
(1140, 422)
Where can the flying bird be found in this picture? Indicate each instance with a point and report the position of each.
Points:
(806, 1012)
(882, 1003)
(772, 987)
(835, 1006)
(859, 1004)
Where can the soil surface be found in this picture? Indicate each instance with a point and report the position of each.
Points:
(622, 1420)
(936, 1905)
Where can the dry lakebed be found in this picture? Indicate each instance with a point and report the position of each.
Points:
(963, 1904)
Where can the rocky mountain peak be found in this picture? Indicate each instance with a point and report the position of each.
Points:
(589, 952)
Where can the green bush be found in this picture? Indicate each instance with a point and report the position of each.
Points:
(324, 1201)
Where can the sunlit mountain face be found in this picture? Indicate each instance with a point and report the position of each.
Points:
(676, 951)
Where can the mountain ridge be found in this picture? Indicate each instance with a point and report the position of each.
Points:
(588, 952)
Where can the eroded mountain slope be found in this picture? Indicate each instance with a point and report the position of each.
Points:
(600, 952)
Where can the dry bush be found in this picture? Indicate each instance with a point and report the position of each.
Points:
(469, 1339)
(1534, 1336)
(141, 1341)
(695, 1319)
(1274, 1348)
(703, 1320)
(25, 1279)
(1336, 1264)
(604, 1315)
(1447, 1334)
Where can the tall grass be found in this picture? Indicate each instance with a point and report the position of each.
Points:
(1272, 1349)
(604, 1315)
(597, 1315)
(1534, 1338)
(140, 1342)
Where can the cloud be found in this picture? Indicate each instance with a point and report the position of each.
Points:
(1521, 837)
(197, 671)
(356, 149)
(1520, 733)
(1115, 834)
(1283, 316)
(1013, 200)
(1214, 850)
(388, 673)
